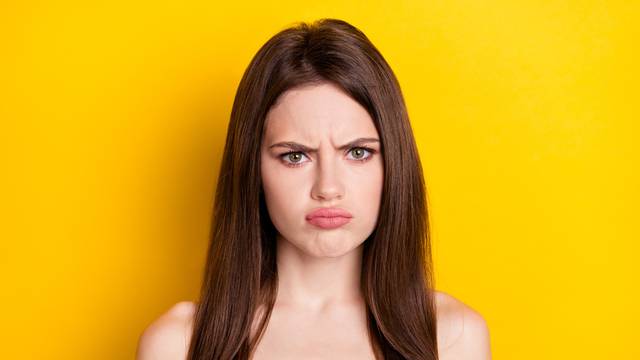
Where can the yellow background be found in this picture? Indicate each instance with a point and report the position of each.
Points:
(114, 118)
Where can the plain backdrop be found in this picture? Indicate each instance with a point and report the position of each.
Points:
(113, 120)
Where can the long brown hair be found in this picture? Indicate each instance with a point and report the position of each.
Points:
(240, 275)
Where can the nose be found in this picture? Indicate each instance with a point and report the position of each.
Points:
(328, 181)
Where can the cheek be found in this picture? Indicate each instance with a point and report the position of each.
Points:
(287, 195)
(282, 193)
(367, 193)
(276, 185)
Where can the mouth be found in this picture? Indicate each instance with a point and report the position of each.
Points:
(329, 218)
(329, 222)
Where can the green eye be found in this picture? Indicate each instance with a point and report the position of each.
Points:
(358, 152)
(295, 157)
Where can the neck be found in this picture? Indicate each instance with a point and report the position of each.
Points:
(315, 283)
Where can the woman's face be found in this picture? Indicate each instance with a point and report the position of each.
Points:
(322, 118)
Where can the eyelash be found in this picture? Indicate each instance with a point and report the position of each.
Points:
(289, 164)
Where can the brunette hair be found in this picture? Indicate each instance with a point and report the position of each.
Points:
(240, 275)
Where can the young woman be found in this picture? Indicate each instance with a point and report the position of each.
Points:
(320, 243)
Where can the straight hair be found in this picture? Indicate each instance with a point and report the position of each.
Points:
(240, 276)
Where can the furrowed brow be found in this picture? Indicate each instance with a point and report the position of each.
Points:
(300, 147)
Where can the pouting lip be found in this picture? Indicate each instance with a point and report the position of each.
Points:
(328, 212)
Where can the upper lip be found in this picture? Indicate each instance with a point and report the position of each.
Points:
(328, 212)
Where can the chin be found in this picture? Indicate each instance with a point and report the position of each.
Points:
(331, 248)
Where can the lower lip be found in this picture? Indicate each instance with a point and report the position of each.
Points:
(329, 222)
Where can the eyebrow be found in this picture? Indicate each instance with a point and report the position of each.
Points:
(299, 147)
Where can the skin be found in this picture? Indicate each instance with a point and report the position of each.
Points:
(319, 269)
(319, 311)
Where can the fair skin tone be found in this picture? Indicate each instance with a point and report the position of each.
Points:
(319, 311)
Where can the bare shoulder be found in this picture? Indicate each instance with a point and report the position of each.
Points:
(167, 337)
(462, 331)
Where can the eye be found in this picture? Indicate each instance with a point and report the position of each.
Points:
(359, 152)
(293, 158)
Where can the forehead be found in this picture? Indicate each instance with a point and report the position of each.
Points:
(318, 110)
